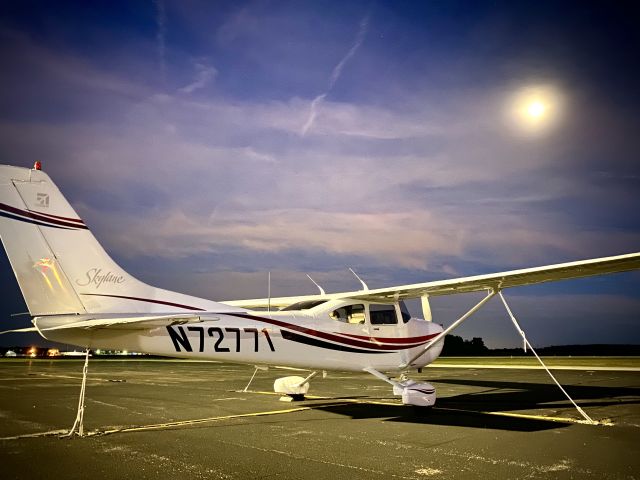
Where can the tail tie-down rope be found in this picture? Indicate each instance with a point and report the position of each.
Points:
(78, 424)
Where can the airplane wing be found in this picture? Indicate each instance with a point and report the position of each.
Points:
(276, 303)
(20, 330)
(502, 280)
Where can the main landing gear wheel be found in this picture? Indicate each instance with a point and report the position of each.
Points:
(418, 394)
(293, 388)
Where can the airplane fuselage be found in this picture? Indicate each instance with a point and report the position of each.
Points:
(300, 338)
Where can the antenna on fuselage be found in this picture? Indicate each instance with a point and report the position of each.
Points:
(364, 285)
(322, 292)
(269, 292)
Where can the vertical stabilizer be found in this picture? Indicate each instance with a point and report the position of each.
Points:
(60, 266)
(45, 287)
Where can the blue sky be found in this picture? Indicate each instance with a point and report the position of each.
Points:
(207, 143)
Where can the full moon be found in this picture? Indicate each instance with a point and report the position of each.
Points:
(534, 110)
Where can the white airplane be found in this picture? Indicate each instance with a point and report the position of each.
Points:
(78, 295)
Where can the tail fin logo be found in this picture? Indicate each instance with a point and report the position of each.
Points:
(95, 277)
(42, 200)
(48, 266)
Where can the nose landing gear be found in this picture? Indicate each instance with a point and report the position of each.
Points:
(419, 394)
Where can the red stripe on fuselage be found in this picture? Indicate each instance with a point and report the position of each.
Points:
(330, 336)
(396, 340)
(148, 300)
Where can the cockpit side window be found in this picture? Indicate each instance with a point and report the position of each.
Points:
(382, 314)
(349, 314)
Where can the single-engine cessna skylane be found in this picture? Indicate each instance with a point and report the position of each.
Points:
(78, 295)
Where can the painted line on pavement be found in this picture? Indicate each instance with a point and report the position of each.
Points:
(530, 417)
(537, 367)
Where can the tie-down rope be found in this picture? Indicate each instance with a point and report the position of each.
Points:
(526, 343)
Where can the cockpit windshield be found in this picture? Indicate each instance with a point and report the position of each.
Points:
(406, 316)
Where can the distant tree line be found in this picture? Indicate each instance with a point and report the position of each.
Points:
(593, 350)
(455, 346)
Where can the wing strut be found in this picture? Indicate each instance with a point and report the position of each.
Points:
(526, 343)
(490, 295)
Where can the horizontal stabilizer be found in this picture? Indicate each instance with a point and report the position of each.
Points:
(20, 330)
(141, 322)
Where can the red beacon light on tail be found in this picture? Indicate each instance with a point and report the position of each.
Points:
(37, 166)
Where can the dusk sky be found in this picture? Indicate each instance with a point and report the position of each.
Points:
(208, 143)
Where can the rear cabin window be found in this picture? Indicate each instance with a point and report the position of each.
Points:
(349, 314)
(383, 314)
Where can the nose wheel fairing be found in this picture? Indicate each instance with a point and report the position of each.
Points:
(419, 394)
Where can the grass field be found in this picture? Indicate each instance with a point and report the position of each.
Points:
(586, 362)
(496, 362)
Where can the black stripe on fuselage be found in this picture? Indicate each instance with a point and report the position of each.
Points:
(294, 337)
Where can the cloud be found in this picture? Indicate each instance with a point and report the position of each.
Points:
(161, 31)
(335, 75)
(421, 183)
(337, 71)
(390, 238)
(204, 75)
(383, 186)
(313, 112)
